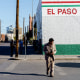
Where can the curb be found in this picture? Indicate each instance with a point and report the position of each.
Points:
(55, 59)
(42, 58)
(67, 59)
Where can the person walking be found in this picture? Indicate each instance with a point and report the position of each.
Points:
(12, 47)
(50, 51)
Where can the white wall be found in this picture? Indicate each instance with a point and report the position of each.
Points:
(10, 36)
(39, 20)
(64, 29)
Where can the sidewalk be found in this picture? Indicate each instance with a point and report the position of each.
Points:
(57, 57)
(42, 57)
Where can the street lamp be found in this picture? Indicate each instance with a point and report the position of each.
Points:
(23, 29)
(32, 20)
(0, 29)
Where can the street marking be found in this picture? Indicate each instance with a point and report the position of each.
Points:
(11, 67)
(60, 71)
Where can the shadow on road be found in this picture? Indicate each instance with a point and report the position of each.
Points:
(79, 56)
(68, 64)
(32, 74)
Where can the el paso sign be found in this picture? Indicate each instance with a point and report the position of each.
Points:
(60, 8)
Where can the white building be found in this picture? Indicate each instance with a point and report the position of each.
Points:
(60, 19)
(39, 21)
(10, 29)
(11, 33)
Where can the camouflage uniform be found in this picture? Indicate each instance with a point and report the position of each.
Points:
(49, 58)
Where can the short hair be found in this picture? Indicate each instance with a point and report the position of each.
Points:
(51, 39)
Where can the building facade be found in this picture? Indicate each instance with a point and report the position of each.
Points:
(2, 37)
(30, 26)
(59, 21)
(39, 20)
(10, 29)
(20, 33)
(30, 23)
(11, 33)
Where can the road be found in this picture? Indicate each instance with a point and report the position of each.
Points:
(35, 70)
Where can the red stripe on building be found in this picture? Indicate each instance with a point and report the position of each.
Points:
(49, 2)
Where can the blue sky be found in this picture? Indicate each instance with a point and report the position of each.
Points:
(8, 12)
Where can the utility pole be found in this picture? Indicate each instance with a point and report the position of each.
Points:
(32, 21)
(17, 28)
(0, 29)
(25, 43)
(11, 33)
(27, 29)
(23, 29)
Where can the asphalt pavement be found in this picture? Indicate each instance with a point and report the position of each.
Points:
(36, 70)
(34, 67)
